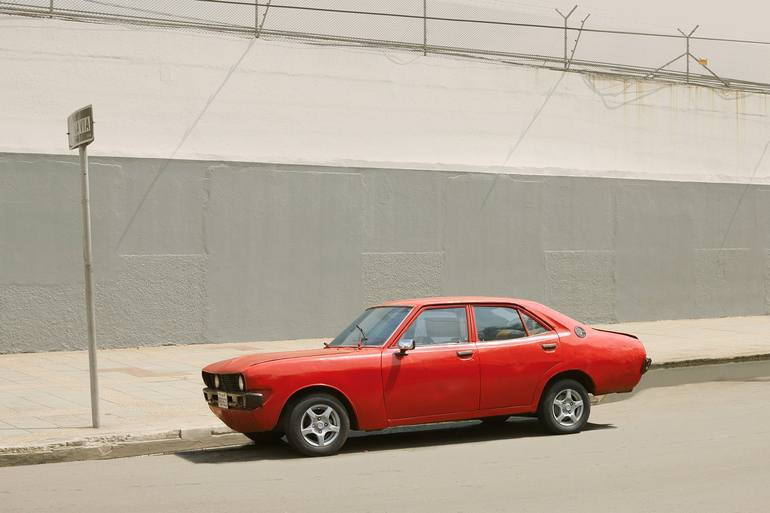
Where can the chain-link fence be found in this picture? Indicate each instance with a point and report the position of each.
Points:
(557, 40)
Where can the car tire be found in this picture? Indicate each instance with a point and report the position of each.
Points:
(265, 437)
(565, 407)
(317, 425)
(495, 421)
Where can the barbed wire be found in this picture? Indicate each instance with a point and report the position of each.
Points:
(468, 37)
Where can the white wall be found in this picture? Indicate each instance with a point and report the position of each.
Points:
(171, 94)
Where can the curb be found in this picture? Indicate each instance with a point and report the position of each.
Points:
(102, 447)
(691, 372)
(108, 446)
(695, 362)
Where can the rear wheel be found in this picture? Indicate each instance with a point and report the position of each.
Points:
(317, 425)
(565, 407)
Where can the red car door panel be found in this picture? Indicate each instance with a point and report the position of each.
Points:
(441, 375)
(431, 381)
(511, 368)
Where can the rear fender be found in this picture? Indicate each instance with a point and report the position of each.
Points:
(561, 368)
(616, 333)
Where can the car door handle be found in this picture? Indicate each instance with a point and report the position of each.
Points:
(548, 347)
(465, 353)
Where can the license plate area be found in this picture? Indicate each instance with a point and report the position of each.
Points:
(222, 400)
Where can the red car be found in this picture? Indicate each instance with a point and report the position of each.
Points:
(427, 360)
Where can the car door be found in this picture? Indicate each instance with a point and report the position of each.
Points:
(440, 376)
(515, 351)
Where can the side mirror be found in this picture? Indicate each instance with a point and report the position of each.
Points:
(404, 345)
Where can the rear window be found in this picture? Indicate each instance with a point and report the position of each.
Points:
(533, 326)
(498, 323)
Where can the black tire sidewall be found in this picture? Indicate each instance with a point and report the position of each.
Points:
(546, 409)
(293, 428)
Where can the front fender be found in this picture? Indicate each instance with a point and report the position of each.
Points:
(354, 377)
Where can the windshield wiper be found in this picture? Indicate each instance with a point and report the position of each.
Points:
(363, 338)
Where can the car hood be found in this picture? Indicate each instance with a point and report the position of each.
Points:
(238, 364)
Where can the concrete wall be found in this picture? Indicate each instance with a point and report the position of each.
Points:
(200, 96)
(196, 251)
(401, 175)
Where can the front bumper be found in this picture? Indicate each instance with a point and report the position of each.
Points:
(235, 400)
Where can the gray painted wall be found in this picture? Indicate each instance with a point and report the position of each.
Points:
(194, 251)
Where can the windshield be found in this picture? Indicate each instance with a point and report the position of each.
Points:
(377, 323)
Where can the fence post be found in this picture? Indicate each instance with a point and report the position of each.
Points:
(687, 55)
(565, 43)
(566, 28)
(256, 18)
(50, 7)
(687, 58)
(425, 27)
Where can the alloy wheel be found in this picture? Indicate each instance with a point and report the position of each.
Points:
(320, 425)
(568, 407)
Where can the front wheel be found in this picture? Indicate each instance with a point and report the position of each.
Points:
(317, 425)
(565, 407)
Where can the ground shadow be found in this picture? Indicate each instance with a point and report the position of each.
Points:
(448, 433)
(756, 369)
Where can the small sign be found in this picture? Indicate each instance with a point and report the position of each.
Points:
(80, 127)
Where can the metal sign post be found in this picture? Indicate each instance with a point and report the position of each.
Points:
(80, 125)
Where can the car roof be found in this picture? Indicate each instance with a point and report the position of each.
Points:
(451, 300)
(548, 314)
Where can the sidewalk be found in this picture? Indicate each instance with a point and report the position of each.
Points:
(151, 398)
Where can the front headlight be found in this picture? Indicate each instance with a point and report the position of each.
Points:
(241, 383)
(216, 381)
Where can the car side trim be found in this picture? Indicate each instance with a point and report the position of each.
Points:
(532, 339)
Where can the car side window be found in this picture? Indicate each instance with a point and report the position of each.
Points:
(438, 326)
(498, 323)
(533, 327)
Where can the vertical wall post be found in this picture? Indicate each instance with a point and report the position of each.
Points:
(256, 18)
(687, 55)
(425, 27)
(566, 29)
(565, 43)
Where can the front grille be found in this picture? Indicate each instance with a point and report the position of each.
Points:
(227, 382)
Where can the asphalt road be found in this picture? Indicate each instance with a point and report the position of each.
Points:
(703, 447)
